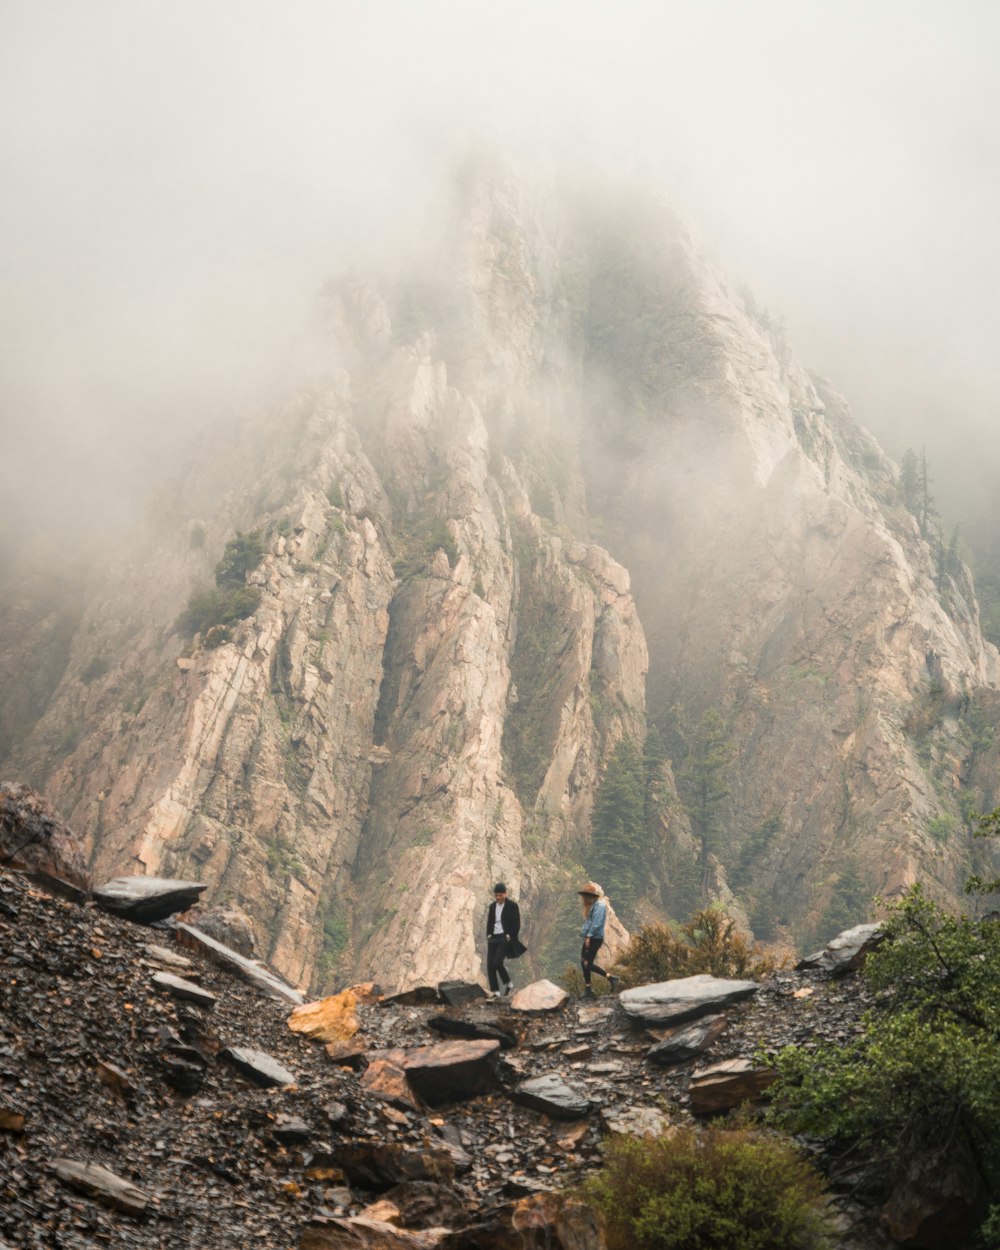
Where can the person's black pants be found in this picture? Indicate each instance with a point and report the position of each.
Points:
(496, 953)
(588, 957)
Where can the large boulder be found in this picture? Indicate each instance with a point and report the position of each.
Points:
(686, 998)
(34, 838)
(539, 997)
(729, 1084)
(846, 952)
(146, 899)
(456, 1026)
(553, 1096)
(331, 1019)
(449, 1071)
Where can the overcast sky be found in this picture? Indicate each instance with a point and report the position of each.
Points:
(179, 178)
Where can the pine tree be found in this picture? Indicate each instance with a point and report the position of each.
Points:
(619, 825)
(703, 781)
(909, 483)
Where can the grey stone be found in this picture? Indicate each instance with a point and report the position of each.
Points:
(259, 1067)
(178, 987)
(100, 1183)
(846, 952)
(687, 998)
(449, 1071)
(146, 899)
(687, 1042)
(461, 993)
(551, 1094)
(251, 970)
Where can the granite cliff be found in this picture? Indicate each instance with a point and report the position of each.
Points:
(558, 484)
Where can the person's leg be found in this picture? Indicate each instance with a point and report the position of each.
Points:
(587, 964)
(502, 972)
(494, 954)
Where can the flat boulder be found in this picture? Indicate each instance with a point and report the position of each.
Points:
(250, 970)
(146, 899)
(553, 1096)
(449, 1071)
(687, 1042)
(457, 1026)
(362, 1232)
(258, 1066)
(845, 953)
(726, 1085)
(417, 996)
(539, 997)
(385, 1077)
(686, 998)
(179, 987)
(461, 993)
(101, 1183)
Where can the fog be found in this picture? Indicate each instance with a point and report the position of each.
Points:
(181, 178)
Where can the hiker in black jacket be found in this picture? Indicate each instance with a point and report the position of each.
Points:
(503, 923)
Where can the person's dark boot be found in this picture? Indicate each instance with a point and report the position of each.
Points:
(614, 982)
(588, 991)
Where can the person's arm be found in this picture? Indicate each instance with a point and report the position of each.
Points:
(600, 917)
(489, 920)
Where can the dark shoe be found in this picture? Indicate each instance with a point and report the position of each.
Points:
(614, 983)
(508, 989)
(588, 992)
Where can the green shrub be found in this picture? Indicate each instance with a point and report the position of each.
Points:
(219, 607)
(708, 943)
(708, 1189)
(926, 1068)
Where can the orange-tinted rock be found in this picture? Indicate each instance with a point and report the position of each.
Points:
(386, 1077)
(332, 1019)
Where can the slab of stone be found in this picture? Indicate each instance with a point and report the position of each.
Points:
(258, 1066)
(551, 1095)
(457, 1026)
(251, 970)
(100, 1183)
(634, 1121)
(178, 987)
(539, 997)
(846, 952)
(35, 839)
(290, 1129)
(362, 1232)
(726, 1085)
(450, 1071)
(146, 899)
(595, 1013)
(418, 996)
(163, 955)
(683, 1044)
(576, 1052)
(461, 993)
(684, 999)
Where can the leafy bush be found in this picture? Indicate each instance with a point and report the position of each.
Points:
(214, 611)
(708, 943)
(209, 608)
(708, 1189)
(926, 1069)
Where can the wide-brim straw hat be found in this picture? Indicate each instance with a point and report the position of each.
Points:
(591, 888)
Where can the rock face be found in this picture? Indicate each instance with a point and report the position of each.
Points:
(35, 838)
(443, 659)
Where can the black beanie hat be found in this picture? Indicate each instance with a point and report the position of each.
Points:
(499, 888)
